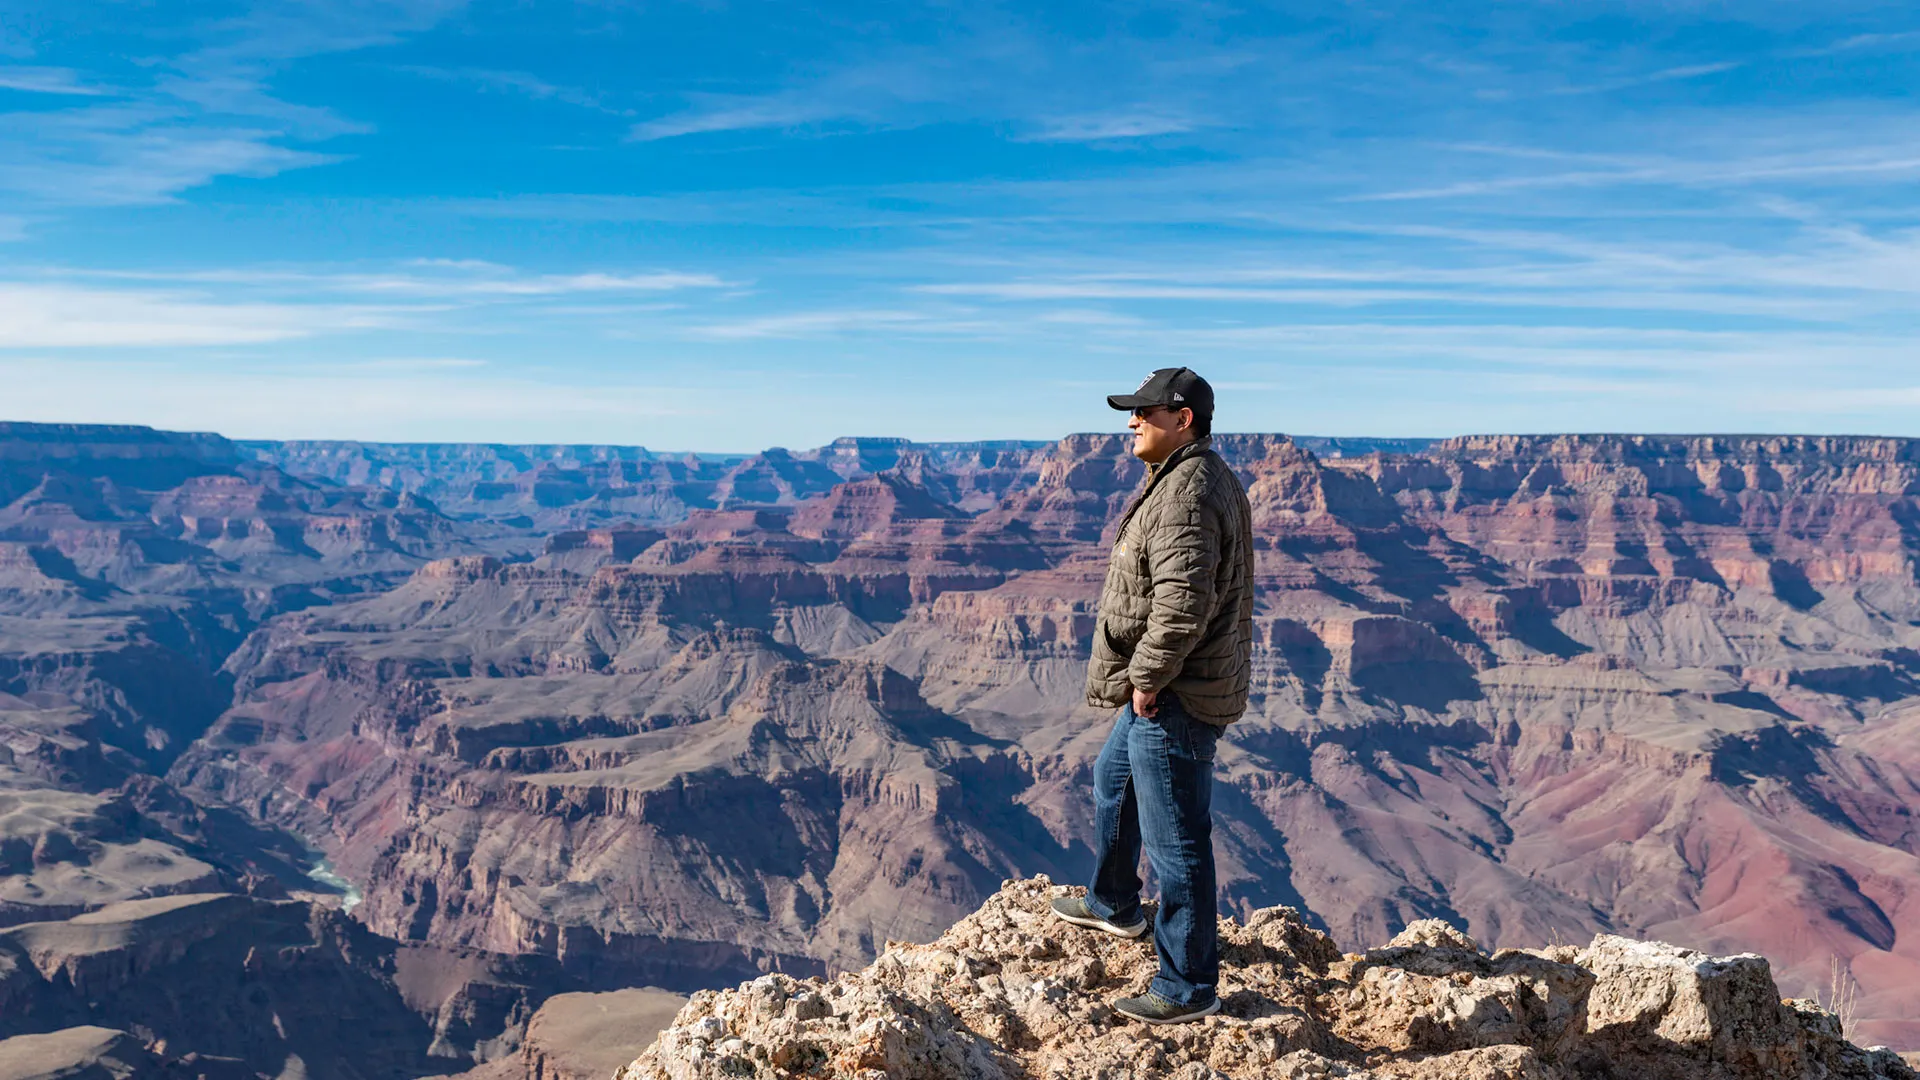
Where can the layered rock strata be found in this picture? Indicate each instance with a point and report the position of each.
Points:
(678, 720)
(1542, 687)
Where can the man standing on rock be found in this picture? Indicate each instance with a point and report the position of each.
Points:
(1172, 651)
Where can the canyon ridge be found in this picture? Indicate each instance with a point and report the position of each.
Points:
(385, 758)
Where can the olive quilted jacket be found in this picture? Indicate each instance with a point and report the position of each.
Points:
(1177, 609)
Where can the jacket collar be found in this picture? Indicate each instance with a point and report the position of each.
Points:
(1155, 472)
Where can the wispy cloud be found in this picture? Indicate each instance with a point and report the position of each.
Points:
(1801, 400)
(63, 307)
(181, 121)
(38, 316)
(815, 323)
(523, 83)
(1874, 163)
(539, 285)
(250, 398)
(436, 279)
(275, 33)
(1123, 124)
(415, 363)
(1640, 300)
(1864, 42)
(715, 113)
(45, 80)
(130, 157)
(1091, 317)
(1687, 71)
(213, 95)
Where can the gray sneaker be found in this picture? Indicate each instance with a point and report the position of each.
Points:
(1074, 909)
(1154, 1009)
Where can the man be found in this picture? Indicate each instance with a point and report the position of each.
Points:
(1171, 650)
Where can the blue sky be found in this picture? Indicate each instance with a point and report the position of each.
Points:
(724, 226)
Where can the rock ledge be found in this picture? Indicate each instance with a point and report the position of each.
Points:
(1010, 993)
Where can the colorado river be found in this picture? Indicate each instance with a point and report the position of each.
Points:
(322, 872)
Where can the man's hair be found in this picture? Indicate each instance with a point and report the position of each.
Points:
(1202, 425)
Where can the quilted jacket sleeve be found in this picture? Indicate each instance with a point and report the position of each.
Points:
(1183, 551)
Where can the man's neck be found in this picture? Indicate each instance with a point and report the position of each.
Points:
(1173, 453)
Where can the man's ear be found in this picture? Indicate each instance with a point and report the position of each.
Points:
(1186, 419)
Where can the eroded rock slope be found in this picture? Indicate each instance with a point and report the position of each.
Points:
(140, 930)
(680, 721)
(1542, 687)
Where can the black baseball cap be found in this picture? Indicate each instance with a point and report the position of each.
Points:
(1174, 387)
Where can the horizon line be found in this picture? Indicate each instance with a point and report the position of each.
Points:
(8, 427)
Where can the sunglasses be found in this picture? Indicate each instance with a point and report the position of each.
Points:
(1145, 411)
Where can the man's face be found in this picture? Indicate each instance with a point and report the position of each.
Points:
(1158, 431)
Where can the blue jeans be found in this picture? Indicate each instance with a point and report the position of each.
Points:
(1153, 782)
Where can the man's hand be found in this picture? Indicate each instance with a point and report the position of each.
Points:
(1143, 702)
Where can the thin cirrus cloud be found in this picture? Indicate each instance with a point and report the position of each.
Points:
(534, 286)
(132, 154)
(1099, 127)
(67, 316)
(416, 363)
(46, 80)
(966, 81)
(1696, 301)
(1874, 164)
(722, 114)
(893, 87)
(797, 110)
(434, 279)
(264, 400)
(179, 122)
(522, 83)
(1688, 71)
(229, 308)
(246, 94)
(816, 323)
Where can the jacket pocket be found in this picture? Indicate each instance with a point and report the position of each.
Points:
(1107, 642)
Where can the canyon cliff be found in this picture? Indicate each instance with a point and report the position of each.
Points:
(680, 721)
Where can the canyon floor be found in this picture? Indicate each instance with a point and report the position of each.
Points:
(573, 720)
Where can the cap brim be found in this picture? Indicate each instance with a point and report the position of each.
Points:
(1129, 401)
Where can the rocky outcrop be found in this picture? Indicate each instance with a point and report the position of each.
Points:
(593, 1036)
(225, 986)
(1010, 992)
(78, 1053)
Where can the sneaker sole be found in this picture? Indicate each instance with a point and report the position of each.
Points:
(1102, 924)
(1183, 1018)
